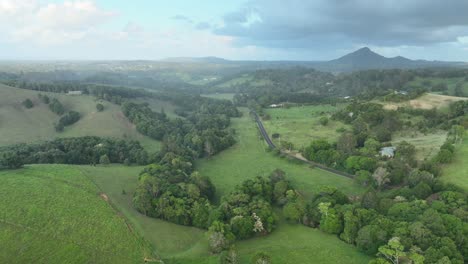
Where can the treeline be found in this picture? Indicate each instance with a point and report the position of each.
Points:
(112, 94)
(80, 150)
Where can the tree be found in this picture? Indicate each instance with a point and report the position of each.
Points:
(323, 120)
(393, 251)
(229, 256)
(444, 156)
(370, 238)
(380, 177)
(28, 103)
(346, 143)
(104, 160)
(218, 242)
(11, 160)
(261, 258)
(99, 107)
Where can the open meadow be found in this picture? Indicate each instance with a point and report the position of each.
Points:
(457, 171)
(300, 125)
(55, 214)
(21, 125)
(426, 101)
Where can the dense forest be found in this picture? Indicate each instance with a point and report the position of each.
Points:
(81, 150)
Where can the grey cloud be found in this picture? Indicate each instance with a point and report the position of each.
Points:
(305, 23)
(182, 18)
(203, 25)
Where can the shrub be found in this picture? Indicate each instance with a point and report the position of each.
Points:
(28, 103)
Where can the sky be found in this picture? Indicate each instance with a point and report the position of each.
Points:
(232, 29)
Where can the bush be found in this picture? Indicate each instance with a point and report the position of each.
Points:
(100, 107)
(323, 121)
(104, 160)
(28, 103)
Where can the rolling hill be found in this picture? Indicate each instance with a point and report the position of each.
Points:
(21, 125)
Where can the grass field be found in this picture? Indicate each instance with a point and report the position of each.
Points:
(181, 244)
(168, 239)
(248, 158)
(427, 146)
(426, 101)
(55, 214)
(225, 96)
(457, 171)
(300, 125)
(18, 124)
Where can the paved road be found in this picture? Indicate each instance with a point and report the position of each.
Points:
(272, 145)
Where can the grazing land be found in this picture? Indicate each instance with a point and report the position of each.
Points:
(300, 125)
(426, 101)
(427, 145)
(434, 81)
(249, 158)
(225, 96)
(182, 244)
(457, 171)
(21, 125)
(55, 214)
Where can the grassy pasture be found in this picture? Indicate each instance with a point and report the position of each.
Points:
(457, 171)
(248, 158)
(427, 145)
(300, 125)
(55, 214)
(290, 243)
(18, 124)
(225, 96)
(426, 101)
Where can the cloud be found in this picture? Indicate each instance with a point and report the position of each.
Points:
(53, 23)
(182, 18)
(321, 23)
(203, 26)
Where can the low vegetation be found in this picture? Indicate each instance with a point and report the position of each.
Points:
(59, 216)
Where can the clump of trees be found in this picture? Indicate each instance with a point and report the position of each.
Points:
(69, 119)
(28, 103)
(99, 107)
(57, 107)
(81, 150)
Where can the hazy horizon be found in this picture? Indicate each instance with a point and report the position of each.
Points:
(259, 30)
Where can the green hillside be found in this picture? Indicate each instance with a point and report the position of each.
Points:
(55, 214)
(18, 124)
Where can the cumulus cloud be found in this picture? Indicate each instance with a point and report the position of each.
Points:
(305, 24)
(53, 23)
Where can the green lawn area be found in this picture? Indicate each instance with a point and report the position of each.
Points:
(427, 145)
(168, 239)
(18, 124)
(55, 214)
(300, 125)
(248, 158)
(457, 171)
(293, 243)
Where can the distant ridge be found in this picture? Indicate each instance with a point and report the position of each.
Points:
(365, 58)
(196, 60)
(361, 59)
